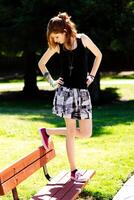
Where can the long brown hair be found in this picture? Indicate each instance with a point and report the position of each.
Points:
(60, 24)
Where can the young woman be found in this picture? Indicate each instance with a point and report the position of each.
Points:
(72, 99)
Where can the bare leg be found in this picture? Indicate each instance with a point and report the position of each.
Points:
(71, 131)
(62, 131)
(85, 128)
(57, 131)
(84, 131)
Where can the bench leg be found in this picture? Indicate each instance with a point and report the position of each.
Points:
(15, 194)
(48, 177)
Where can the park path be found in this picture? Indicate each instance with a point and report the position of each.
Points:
(44, 85)
(127, 191)
(117, 82)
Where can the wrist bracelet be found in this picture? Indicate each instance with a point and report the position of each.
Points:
(46, 74)
(92, 76)
(52, 83)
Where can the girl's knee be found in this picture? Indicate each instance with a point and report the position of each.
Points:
(86, 134)
(71, 132)
(85, 128)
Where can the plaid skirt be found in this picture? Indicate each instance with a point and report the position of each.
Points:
(72, 103)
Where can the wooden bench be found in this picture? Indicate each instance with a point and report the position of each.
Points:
(59, 187)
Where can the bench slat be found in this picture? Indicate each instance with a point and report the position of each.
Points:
(77, 188)
(46, 191)
(62, 188)
(19, 171)
(22, 163)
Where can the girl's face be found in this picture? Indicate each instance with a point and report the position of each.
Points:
(58, 37)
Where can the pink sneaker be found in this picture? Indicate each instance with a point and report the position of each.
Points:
(78, 176)
(44, 137)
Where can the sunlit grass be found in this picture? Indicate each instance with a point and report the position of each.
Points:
(109, 151)
(120, 75)
(125, 91)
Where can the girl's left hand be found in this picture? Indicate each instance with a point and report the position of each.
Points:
(89, 80)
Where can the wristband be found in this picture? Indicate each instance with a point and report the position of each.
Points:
(52, 83)
(46, 74)
(92, 77)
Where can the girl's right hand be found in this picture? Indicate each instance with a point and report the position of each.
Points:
(60, 81)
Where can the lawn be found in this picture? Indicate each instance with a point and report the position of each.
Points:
(109, 151)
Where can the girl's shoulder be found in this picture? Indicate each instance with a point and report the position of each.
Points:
(54, 50)
(83, 38)
(81, 35)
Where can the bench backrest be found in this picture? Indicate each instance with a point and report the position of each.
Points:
(13, 175)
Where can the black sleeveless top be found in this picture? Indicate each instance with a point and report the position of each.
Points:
(74, 66)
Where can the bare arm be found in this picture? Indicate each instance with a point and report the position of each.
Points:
(87, 42)
(44, 59)
(42, 66)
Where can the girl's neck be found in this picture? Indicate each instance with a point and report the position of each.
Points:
(73, 44)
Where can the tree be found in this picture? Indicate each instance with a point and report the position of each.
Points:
(23, 23)
(23, 26)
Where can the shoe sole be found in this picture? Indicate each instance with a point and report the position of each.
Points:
(80, 181)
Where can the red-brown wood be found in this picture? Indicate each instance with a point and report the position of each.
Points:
(77, 188)
(52, 186)
(11, 176)
(62, 188)
(59, 188)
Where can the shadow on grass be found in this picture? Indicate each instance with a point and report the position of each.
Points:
(109, 112)
(10, 78)
(123, 75)
(93, 196)
(88, 195)
(113, 112)
(109, 95)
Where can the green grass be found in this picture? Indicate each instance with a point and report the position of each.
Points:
(121, 84)
(109, 151)
(114, 75)
(124, 91)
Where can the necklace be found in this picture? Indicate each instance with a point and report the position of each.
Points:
(71, 67)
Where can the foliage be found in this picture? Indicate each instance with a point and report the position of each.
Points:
(108, 22)
(23, 28)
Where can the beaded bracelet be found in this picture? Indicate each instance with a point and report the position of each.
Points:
(46, 74)
(92, 77)
(52, 83)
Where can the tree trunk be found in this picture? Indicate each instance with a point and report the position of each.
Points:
(30, 83)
